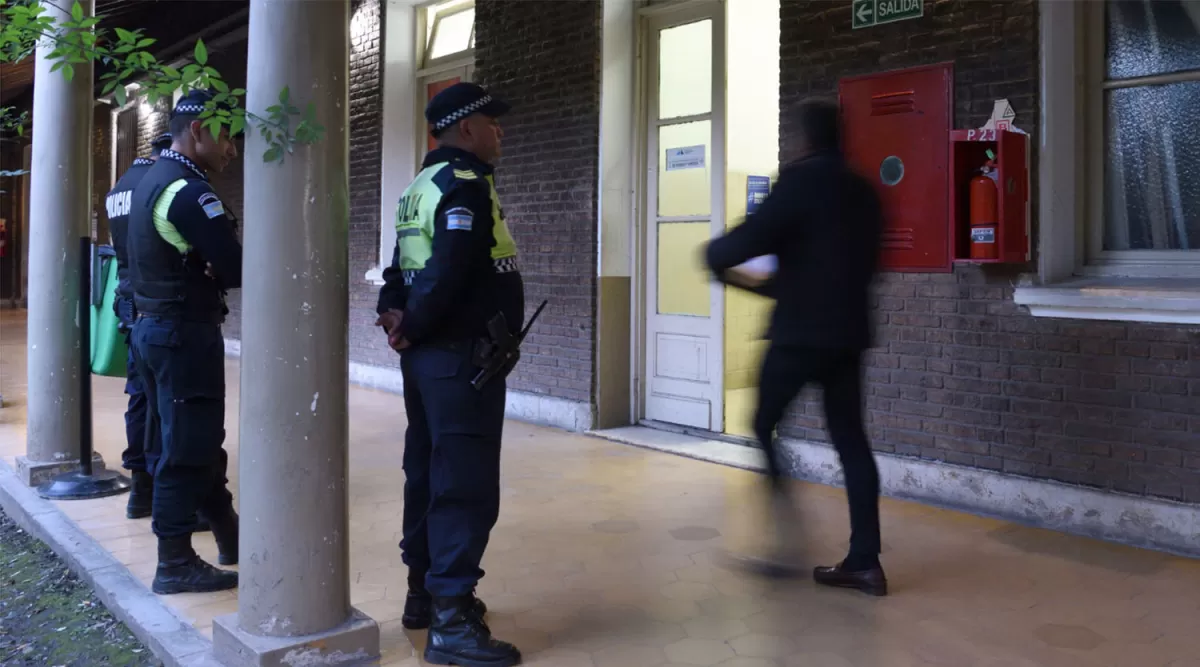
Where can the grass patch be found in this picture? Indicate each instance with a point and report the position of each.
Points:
(49, 618)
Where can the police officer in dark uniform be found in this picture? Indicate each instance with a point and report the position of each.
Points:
(183, 255)
(136, 458)
(453, 271)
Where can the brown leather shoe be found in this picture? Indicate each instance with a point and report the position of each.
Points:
(872, 581)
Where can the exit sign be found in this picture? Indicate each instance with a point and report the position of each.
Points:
(866, 13)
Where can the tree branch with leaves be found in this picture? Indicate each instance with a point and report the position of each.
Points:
(129, 63)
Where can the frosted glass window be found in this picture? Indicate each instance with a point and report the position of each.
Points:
(684, 167)
(685, 70)
(683, 283)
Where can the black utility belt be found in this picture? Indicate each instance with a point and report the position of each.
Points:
(480, 350)
(175, 317)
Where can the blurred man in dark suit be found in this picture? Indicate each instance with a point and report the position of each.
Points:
(823, 222)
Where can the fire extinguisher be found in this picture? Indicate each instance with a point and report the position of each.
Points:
(985, 213)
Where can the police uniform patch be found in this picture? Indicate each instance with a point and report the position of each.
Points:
(460, 219)
(212, 205)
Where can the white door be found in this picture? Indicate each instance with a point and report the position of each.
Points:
(685, 208)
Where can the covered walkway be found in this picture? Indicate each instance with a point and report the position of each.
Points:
(603, 557)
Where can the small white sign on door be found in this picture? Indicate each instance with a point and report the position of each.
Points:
(687, 157)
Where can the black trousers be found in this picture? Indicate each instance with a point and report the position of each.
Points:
(785, 373)
(451, 468)
(183, 367)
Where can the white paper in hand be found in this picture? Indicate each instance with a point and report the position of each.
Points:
(763, 266)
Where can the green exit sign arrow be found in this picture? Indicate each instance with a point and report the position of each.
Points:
(866, 13)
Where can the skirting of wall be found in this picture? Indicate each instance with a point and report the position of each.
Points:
(1117, 517)
(522, 406)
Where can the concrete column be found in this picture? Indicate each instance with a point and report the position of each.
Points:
(59, 213)
(294, 591)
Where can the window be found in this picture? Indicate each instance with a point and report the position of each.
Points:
(1119, 193)
(1143, 89)
(448, 53)
(427, 47)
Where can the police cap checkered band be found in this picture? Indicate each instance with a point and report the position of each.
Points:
(193, 103)
(459, 101)
(462, 113)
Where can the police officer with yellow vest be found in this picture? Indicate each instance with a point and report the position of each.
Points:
(183, 255)
(454, 271)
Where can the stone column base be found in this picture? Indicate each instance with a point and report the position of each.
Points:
(36, 473)
(354, 642)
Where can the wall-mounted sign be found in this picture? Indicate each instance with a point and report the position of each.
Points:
(866, 13)
(757, 188)
(687, 157)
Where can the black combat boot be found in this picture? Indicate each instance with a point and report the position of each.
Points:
(459, 637)
(225, 532)
(418, 608)
(141, 495)
(180, 570)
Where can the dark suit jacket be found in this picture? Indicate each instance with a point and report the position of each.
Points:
(824, 222)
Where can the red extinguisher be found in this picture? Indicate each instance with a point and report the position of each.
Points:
(985, 211)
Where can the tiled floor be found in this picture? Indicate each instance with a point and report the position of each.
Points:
(603, 557)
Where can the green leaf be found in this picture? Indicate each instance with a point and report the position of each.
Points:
(69, 72)
(126, 36)
(238, 92)
(171, 72)
(201, 52)
(108, 87)
(273, 154)
(145, 41)
(77, 12)
(238, 124)
(121, 95)
(283, 95)
(221, 86)
(214, 126)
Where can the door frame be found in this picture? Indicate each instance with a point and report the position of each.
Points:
(644, 211)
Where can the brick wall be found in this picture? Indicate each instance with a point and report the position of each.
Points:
(544, 58)
(961, 374)
(152, 124)
(101, 168)
(366, 169)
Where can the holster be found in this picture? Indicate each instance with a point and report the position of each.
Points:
(496, 352)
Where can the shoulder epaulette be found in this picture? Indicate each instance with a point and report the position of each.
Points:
(455, 172)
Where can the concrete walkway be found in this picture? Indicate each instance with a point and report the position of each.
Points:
(603, 558)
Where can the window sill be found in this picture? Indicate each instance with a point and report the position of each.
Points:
(375, 276)
(1158, 300)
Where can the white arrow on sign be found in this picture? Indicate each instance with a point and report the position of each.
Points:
(865, 10)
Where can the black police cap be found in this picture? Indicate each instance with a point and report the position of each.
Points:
(161, 142)
(459, 101)
(195, 102)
